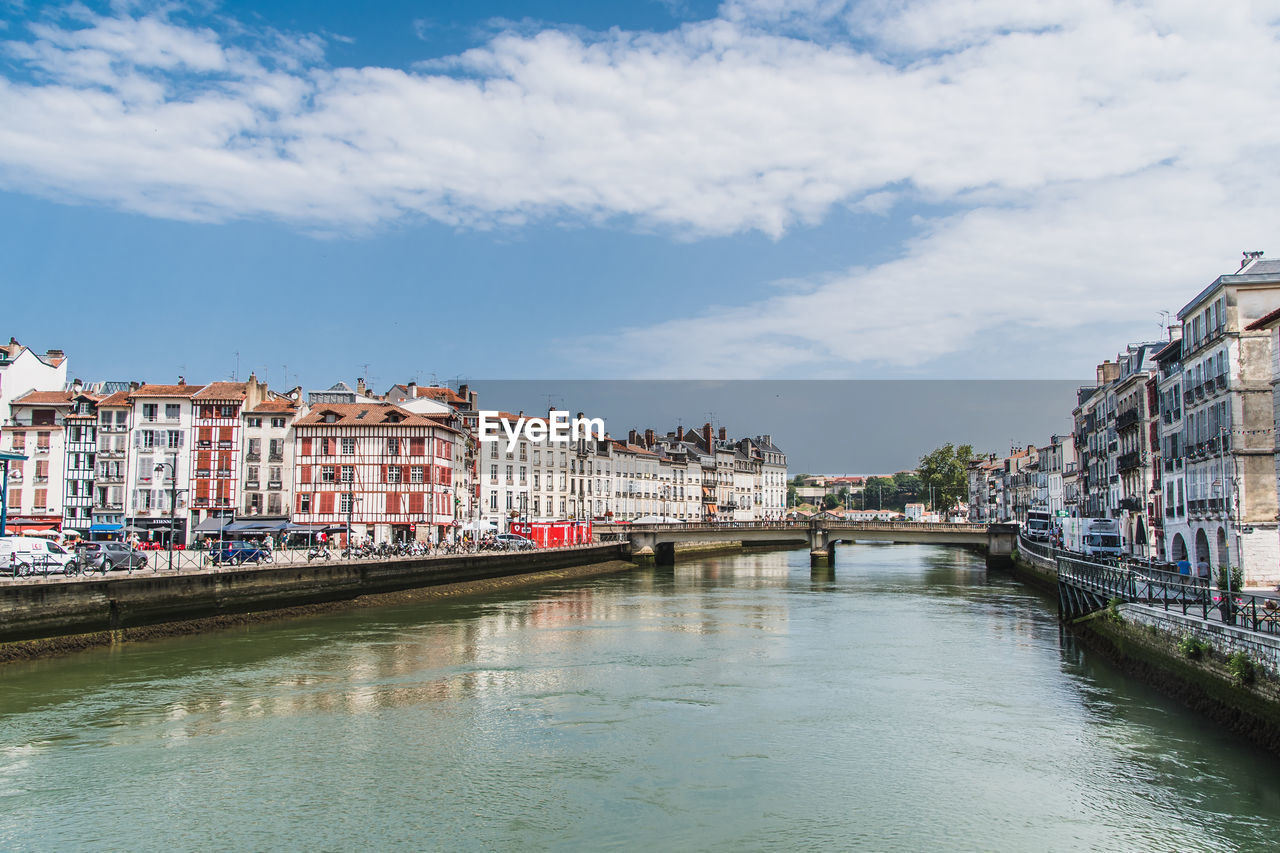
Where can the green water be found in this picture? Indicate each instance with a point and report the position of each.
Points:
(908, 701)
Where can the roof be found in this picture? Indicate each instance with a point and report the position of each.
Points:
(165, 391)
(274, 407)
(1257, 271)
(368, 415)
(1266, 321)
(221, 391)
(44, 398)
(119, 398)
(448, 395)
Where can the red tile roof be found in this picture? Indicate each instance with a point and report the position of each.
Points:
(119, 398)
(166, 391)
(448, 395)
(1265, 321)
(274, 407)
(221, 391)
(369, 415)
(44, 398)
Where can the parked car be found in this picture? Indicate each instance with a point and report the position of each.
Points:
(513, 542)
(237, 552)
(105, 556)
(31, 554)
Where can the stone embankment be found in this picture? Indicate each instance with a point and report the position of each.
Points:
(1182, 655)
(44, 617)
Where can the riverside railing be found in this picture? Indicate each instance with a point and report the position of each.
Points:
(194, 560)
(1173, 591)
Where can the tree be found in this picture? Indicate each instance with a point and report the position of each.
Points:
(792, 497)
(945, 470)
(829, 501)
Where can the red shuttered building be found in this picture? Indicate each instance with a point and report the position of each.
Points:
(385, 472)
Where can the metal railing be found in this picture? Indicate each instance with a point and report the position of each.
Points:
(1172, 591)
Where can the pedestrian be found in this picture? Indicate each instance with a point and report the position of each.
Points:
(1202, 569)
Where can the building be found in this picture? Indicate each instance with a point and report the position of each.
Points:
(1173, 533)
(1228, 420)
(23, 371)
(37, 428)
(266, 484)
(160, 461)
(112, 465)
(1136, 422)
(376, 469)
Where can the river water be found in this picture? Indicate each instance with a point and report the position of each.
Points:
(906, 701)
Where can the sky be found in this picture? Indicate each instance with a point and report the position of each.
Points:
(780, 189)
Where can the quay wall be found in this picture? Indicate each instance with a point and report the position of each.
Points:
(1144, 647)
(39, 617)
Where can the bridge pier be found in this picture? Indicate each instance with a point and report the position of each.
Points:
(664, 554)
(822, 549)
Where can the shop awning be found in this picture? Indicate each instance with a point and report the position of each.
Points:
(27, 529)
(105, 528)
(212, 525)
(256, 526)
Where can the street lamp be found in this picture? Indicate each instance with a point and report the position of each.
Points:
(173, 499)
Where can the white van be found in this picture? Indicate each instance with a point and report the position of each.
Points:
(30, 555)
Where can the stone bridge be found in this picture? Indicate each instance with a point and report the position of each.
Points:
(656, 543)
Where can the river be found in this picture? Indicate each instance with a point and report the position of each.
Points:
(907, 700)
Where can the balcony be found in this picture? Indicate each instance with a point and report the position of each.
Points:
(253, 456)
(251, 484)
(108, 506)
(1129, 461)
(225, 445)
(275, 485)
(1188, 397)
(1199, 391)
(275, 457)
(42, 448)
(1127, 418)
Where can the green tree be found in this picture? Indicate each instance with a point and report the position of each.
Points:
(829, 501)
(945, 470)
(792, 497)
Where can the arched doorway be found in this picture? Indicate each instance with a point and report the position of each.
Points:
(1202, 548)
(1224, 557)
(1179, 548)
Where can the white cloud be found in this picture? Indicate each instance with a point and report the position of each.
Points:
(1039, 120)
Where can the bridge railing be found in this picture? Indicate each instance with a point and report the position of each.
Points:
(963, 527)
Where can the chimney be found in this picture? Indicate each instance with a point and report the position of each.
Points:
(134, 385)
(361, 388)
(413, 390)
(706, 435)
(633, 437)
(54, 353)
(679, 433)
(182, 380)
(724, 434)
(649, 438)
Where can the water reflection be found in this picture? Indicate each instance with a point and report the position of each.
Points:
(698, 706)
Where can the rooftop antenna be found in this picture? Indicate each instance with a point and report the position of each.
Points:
(1164, 323)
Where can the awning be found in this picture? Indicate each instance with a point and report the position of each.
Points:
(256, 526)
(105, 528)
(20, 529)
(212, 525)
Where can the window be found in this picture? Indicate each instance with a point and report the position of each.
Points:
(277, 423)
(346, 503)
(493, 500)
(493, 473)
(326, 474)
(150, 411)
(275, 474)
(535, 480)
(393, 447)
(227, 411)
(147, 439)
(251, 473)
(276, 447)
(509, 469)
(171, 411)
(255, 447)
(348, 473)
(174, 439)
(254, 422)
(348, 447)
(393, 473)
(493, 452)
(510, 504)
(415, 474)
(304, 503)
(19, 441)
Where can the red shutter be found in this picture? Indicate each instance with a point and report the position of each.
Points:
(224, 433)
(299, 502)
(326, 502)
(415, 502)
(206, 433)
(306, 447)
(404, 473)
(384, 474)
(393, 503)
(417, 446)
(331, 446)
(305, 471)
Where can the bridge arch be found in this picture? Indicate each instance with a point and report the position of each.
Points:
(1178, 550)
(1202, 547)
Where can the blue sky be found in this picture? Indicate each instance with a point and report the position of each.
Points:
(753, 189)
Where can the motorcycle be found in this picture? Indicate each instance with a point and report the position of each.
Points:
(319, 552)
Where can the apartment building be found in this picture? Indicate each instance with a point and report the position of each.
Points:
(36, 428)
(160, 462)
(112, 465)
